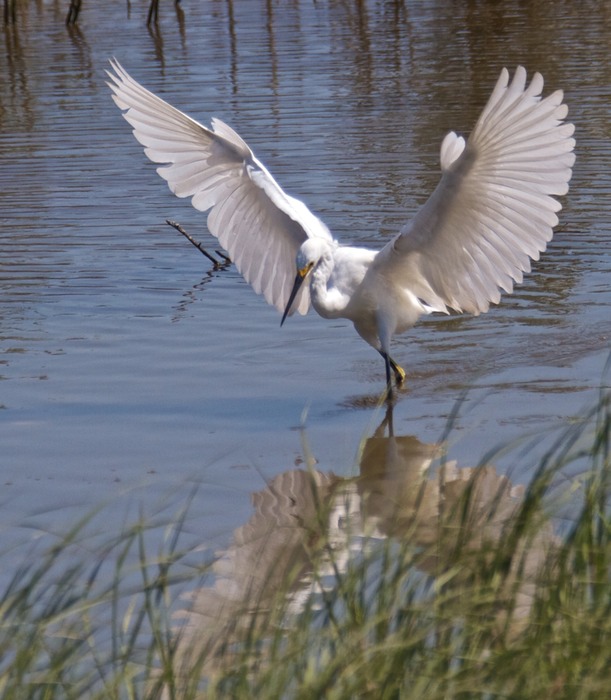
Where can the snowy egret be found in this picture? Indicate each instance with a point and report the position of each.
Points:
(491, 213)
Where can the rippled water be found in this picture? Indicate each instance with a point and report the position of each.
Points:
(130, 370)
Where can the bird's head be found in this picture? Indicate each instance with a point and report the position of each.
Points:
(308, 255)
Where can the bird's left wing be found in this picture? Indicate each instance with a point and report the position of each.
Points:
(259, 225)
(493, 209)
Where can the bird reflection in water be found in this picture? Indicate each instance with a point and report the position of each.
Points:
(309, 526)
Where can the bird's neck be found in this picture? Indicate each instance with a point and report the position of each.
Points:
(319, 291)
(327, 292)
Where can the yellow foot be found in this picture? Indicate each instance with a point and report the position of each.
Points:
(399, 372)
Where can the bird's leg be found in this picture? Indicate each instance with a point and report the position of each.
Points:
(398, 371)
(387, 362)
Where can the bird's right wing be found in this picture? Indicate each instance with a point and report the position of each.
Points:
(494, 208)
(259, 225)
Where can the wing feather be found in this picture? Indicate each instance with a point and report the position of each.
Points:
(494, 208)
(259, 225)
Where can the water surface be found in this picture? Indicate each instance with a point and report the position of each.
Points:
(130, 370)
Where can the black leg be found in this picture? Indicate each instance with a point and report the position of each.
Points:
(398, 371)
(387, 364)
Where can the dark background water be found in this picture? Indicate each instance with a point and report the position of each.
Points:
(130, 371)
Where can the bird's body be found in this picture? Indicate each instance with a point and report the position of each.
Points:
(492, 212)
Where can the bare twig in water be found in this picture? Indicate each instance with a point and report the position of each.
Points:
(153, 14)
(217, 263)
(226, 258)
(73, 12)
(10, 11)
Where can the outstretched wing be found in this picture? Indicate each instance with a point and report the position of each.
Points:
(259, 225)
(493, 210)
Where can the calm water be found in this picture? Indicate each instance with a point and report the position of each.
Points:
(131, 371)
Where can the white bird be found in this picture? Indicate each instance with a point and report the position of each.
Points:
(491, 213)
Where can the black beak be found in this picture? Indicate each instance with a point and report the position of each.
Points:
(301, 275)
